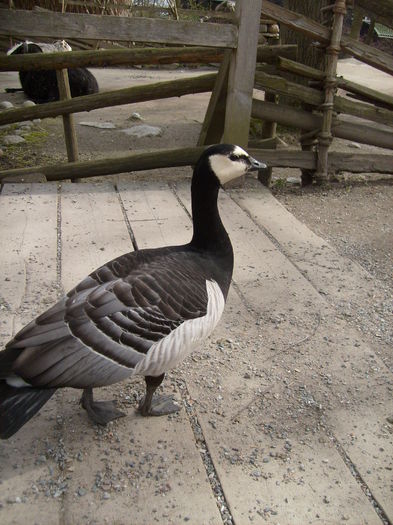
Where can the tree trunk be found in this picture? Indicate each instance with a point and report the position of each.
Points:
(307, 53)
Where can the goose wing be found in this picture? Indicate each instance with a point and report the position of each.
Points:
(104, 327)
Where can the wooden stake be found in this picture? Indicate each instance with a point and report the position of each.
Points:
(241, 73)
(213, 124)
(68, 120)
(325, 137)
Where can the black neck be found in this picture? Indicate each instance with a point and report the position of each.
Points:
(209, 232)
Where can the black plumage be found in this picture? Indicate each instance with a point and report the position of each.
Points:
(41, 86)
(139, 313)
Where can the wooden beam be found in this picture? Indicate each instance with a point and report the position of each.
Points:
(369, 55)
(241, 73)
(137, 161)
(116, 28)
(367, 94)
(314, 97)
(214, 121)
(68, 120)
(172, 88)
(132, 57)
(360, 162)
(307, 121)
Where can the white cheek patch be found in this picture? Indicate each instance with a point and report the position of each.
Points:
(226, 169)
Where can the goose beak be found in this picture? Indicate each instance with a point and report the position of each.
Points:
(256, 165)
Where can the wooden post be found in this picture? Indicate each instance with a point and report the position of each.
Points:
(325, 137)
(269, 130)
(241, 73)
(213, 124)
(68, 120)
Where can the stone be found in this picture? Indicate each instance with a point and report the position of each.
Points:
(99, 125)
(6, 105)
(10, 140)
(143, 131)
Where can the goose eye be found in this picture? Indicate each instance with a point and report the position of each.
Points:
(233, 157)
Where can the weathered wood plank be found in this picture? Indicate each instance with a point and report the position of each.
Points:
(138, 56)
(28, 286)
(142, 160)
(117, 28)
(361, 162)
(214, 121)
(368, 94)
(363, 52)
(265, 419)
(241, 73)
(314, 97)
(308, 121)
(171, 88)
(357, 423)
(70, 137)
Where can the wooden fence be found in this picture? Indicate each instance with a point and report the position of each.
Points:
(234, 45)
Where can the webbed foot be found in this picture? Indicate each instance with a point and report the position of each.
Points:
(100, 412)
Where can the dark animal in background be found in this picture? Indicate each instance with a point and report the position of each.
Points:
(41, 86)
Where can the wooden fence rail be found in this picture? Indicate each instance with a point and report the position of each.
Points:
(132, 57)
(115, 28)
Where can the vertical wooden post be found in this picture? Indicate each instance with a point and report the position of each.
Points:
(242, 72)
(325, 136)
(68, 120)
(213, 124)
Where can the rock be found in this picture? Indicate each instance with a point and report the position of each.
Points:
(25, 124)
(9, 140)
(100, 125)
(294, 180)
(135, 116)
(36, 120)
(6, 105)
(28, 104)
(354, 145)
(143, 131)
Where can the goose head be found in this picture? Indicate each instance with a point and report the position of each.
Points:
(228, 162)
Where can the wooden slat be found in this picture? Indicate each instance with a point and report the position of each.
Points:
(139, 161)
(309, 122)
(265, 420)
(28, 286)
(214, 121)
(113, 57)
(167, 89)
(94, 27)
(241, 73)
(368, 94)
(71, 140)
(357, 424)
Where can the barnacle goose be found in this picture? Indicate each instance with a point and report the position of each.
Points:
(141, 313)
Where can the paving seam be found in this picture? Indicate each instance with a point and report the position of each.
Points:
(356, 474)
(126, 220)
(340, 449)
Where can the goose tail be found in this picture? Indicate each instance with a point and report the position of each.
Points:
(17, 403)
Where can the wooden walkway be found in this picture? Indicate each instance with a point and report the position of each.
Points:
(284, 417)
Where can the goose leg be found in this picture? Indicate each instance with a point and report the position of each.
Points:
(100, 412)
(159, 405)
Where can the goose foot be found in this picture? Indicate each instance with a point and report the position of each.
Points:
(159, 405)
(100, 412)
